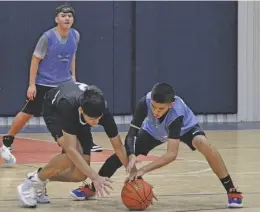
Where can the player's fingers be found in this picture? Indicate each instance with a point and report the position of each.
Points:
(106, 191)
(29, 95)
(107, 184)
(131, 178)
(34, 93)
(101, 192)
(129, 168)
(126, 180)
(155, 197)
(97, 193)
(108, 180)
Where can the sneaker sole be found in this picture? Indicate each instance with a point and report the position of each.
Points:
(97, 150)
(235, 205)
(39, 202)
(81, 198)
(22, 200)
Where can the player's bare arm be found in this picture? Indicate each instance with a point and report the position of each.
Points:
(39, 54)
(111, 129)
(168, 157)
(73, 66)
(73, 69)
(119, 149)
(31, 92)
(69, 144)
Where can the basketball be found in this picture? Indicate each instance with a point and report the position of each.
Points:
(137, 195)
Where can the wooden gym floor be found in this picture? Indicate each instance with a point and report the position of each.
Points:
(185, 185)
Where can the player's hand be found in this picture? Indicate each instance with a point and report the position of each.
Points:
(102, 184)
(31, 92)
(153, 195)
(131, 164)
(135, 175)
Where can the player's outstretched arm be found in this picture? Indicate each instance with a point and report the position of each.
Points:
(119, 149)
(69, 144)
(168, 157)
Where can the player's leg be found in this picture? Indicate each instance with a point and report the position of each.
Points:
(196, 139)
(144, 143)
(31, 108)
(57, 164)
(73, 174)
(54, 172)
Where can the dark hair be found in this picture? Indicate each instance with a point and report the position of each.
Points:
(65, 8)
(92, 102)
(163, 93)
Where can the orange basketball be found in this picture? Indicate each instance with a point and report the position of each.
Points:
(137, 195)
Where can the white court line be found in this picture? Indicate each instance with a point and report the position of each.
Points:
(35, 139)
(193, 173)
(121, 176)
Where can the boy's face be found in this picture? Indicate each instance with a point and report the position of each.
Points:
(89, 120)
(159, 109)
(64, 20)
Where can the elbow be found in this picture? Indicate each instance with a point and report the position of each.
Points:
(172, 157)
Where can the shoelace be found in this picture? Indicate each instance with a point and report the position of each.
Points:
(234, 190)
(85, 185)
(233, 193)
(41, 191)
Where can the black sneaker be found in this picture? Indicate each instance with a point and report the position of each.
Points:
(96, 148)
(8, 141)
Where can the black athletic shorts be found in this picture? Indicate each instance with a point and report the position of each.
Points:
(144, 142)
(34, 107)
(52, 121)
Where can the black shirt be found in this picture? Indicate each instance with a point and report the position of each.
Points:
(66, 101)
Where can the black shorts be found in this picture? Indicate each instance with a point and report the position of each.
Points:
(34, 107)
(53, 124)
(144, 142)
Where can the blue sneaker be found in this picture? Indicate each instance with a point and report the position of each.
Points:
(235, 198)
(84, 192)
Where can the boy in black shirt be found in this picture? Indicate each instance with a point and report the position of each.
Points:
(69, 112)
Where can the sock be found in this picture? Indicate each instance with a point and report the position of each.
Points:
(8, 140)
(227, 183)
(110, 166)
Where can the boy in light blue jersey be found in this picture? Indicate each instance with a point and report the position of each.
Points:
(52, 63)
(161, 117)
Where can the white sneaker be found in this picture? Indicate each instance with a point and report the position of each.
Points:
(27, 194)
(27, 191)
(8, 157)
(41, 192)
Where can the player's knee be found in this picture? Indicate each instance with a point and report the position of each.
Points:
(201, 143)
